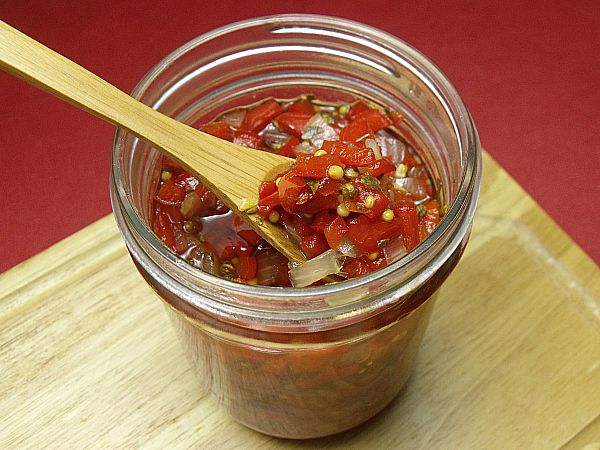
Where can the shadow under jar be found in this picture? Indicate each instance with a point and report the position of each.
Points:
(310, 362)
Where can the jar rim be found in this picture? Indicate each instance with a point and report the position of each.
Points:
(457, 218)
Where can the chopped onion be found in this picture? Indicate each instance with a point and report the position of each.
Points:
(318, 130)
(417, 172)
(304, 148)
(234, 118)
(372, 144)
(394, 250)
(317, 268)
(391, 146)
(273, 136)
(347, 248)
(416, 187)
(271, 268)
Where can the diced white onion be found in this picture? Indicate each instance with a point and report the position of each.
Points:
(318, 130)
(416, 187)
(304, 148)
(394, 250)
(315, 269)
(372, 144)
(273, 136)
(234, 118)
(347, 248)
(391, 146)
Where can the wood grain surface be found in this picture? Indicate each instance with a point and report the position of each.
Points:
(511, 359)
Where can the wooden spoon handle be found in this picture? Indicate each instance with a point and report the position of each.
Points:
(233, 172)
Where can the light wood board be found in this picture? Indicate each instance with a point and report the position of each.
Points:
(511, 358)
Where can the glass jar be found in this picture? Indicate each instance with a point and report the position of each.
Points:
(302, 363)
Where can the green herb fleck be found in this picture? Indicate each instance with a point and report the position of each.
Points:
(383, 243)
(421, 210)
(370, 182)
(259, 221)
(313, 185)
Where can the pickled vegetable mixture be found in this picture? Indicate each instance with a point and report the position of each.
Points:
(357, 198)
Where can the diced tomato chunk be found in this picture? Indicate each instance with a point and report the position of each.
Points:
(257, 118)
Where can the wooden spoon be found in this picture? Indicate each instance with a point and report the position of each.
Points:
(232, 172)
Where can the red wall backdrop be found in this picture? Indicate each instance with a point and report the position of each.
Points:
(528, 71)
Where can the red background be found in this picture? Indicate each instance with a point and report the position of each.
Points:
(528, 71)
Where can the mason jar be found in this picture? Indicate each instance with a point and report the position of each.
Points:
(309, 362)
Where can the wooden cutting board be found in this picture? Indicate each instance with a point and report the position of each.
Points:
(89, 360)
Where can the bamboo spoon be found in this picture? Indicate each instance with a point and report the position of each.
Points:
(231, 171)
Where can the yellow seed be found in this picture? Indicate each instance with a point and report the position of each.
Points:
(387, 215)
(252, 281)
(277, 181)
(308, 215)
(342, 210)
(248, 205)
(274, 216)
(277, 145)
(373, 256)
(344, 109)
(336, 172)
(188, 226)
(166, 175)
(401, 171)
(320, 153)
(369, 202)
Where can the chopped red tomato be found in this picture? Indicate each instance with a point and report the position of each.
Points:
(257, 118)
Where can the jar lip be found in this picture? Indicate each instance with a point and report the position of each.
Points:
(427, 72)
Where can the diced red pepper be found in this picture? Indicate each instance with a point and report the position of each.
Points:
(248, 138)
(289, 189)
(430, 220)
(314, 244)
(302, 106)
(405, 213)
(218, 129)
(163, 228)
(350, 153)
(314, 167)
(246, 266)
(267, 204)
(170, 193)
(328, 186)
(357, 267)
(292, 122)
(258, 118)
(367, 234)
(357, 130)
(375, 119)
(380, 167)
(317, 203)
(266, 188)
(288, 148)
(356, 109)
(322, 219)
(335, 232)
